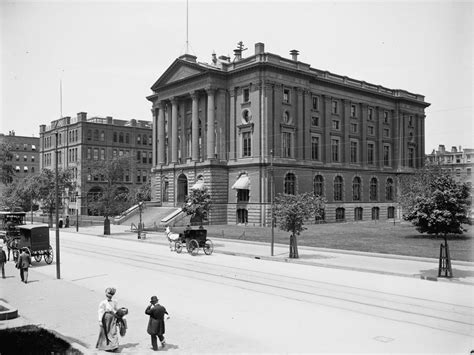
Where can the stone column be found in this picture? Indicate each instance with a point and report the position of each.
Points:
(195, 127)
(299, 119)
(154, 136)
(326, 123)
(232, 124)
(161, 133)
(174, 130)
(363, 131)
(210, 123)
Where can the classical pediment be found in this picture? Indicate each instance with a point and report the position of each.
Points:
(179, 70)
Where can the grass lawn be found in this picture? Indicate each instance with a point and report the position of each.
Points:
(381, 237)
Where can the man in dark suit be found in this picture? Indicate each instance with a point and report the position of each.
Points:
(156, 323)
(23, 263)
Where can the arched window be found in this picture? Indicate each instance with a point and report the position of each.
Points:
(127, 138)
(115, 136)
(340, 214)
(290, 182)
(89, 134)
(338, 188)
(165, 189)
(139, 139)
(102, 136)
(121, 137)
(96, 135)
(389, 190)
(356, 189)
(318, 185)
(358, 212)
(373, 189)
(145, 140)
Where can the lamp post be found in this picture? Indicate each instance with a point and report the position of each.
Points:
(58, 259)
(140, 206)
(77, 210)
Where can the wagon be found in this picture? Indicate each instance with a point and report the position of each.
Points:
(193, 239)
(35, 237)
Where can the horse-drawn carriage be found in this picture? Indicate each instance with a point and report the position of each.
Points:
(34, 237)
(192, 239)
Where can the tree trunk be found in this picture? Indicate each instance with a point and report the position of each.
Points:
(293, 247)
(106, 226)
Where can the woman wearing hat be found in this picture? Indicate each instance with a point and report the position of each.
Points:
(156, 323)
(108, 336)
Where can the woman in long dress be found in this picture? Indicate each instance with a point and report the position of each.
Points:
(108, 336)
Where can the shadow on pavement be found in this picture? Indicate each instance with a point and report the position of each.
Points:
(457, 273)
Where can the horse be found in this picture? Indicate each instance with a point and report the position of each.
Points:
(172, 237)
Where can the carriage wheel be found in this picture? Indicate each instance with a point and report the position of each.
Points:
(178, 247)
(208, 247)
(48, 256)
(193, 247)
(37, 257)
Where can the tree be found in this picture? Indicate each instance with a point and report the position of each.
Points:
(114, 196)
(21, 193)
(43, 188)
(197, 205)
(6, 157)
(435, 203)
(291, 212)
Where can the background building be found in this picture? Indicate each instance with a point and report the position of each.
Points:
(81, 140)
(241, 126)
(459, 162)
(25, 155)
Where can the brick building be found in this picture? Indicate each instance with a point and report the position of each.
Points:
(82, 139)
(457, 161)
(25, 155)
(231, 124)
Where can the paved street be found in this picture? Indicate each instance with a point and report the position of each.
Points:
(238, 303)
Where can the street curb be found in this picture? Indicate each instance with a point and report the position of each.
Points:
(123, 236)
(9, 313)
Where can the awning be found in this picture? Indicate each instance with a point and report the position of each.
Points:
(242, 183)
(199, 185)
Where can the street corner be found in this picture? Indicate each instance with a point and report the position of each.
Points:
(7, 312)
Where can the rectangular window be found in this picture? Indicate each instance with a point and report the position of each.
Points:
(386, 155)
(96, 154)
(353, 110)
(139, 176)
(286, 95)
(386, 132)
(370, 130)
(243, 195)
(385, 117)
(315, 148)
(410, 121)
(335, 125)
(102, 154)
(89, 153)
(370, 153)
(354, 127)
(315, 103)
(334, 107)
(315, 121)
(370, 114)
(354, 151)
(286, 145)
(335, 150)
(150, 158)
(32, 158)
(144, 160)
(246, 95)
(114, 153)
(246, 144)
(411, 157)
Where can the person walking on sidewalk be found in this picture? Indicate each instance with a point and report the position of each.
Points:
(23, 263)
(156, 322)
(3, 259)
(108, 336)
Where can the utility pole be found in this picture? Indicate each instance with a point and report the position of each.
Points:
(58, 267)
(272, 193)
(77, 210)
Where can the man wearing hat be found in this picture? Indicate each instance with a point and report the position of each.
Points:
(3, 259)
(156, 323)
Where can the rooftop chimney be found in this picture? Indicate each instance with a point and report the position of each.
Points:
(454, 149)
(294, 54)
(110, 120)
(259, 48)
(82, 116)
(237, 54)
(441, 148)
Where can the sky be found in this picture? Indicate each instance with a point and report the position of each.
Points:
(106, 55)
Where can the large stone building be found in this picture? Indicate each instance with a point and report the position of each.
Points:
(24, 156)
(231, 124)
(458, 162)
(81, 140)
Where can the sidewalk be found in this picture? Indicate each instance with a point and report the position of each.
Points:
(397, 265)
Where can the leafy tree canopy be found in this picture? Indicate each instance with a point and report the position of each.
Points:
(435, 202)
(291, 211)
(197, 204)
(6, 157)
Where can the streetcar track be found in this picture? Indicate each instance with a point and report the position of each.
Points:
(302, 292)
